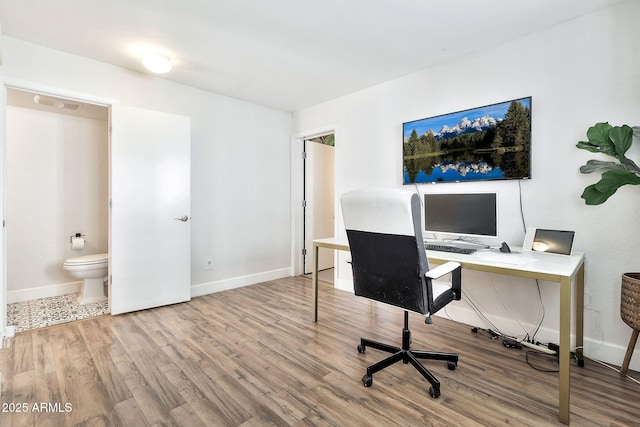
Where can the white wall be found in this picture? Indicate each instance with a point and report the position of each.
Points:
(578, 73)
(57, 185)
(239, 167)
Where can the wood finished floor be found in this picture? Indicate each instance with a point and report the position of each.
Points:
(252, 357)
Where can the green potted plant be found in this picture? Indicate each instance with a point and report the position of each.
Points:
(613, 141)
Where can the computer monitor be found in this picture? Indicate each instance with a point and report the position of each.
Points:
(462, 214)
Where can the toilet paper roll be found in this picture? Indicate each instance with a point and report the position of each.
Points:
(77, 243)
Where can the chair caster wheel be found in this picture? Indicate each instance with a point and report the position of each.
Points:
(361, 348)
(452, 366)
(367, 380)
(434, 392)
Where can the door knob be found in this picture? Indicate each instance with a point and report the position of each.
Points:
(183, 218)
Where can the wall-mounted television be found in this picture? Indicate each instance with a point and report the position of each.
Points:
(469, 214)
(485, 143)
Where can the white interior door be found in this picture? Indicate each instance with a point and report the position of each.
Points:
(149, 246)
(319, 195)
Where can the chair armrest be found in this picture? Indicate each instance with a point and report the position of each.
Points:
(454, 293)
(441, 270)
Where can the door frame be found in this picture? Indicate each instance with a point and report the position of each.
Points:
(9, 83)
(297, 191)
(316, 175)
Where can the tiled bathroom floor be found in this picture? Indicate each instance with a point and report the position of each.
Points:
(43, 312)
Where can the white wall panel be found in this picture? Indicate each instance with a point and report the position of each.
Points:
(57, 185)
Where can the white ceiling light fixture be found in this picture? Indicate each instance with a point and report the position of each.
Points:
(157, 63)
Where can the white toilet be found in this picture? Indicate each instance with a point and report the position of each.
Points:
(93, 270)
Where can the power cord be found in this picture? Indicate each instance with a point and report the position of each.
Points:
(504, 305)
(533, 336)
(541, 355)
(613, 368)
(516, 343)
(469, 300)
(524, 226)
(494, 332)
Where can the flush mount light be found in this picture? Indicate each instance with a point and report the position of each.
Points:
(157, 63)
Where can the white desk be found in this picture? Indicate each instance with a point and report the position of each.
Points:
(561, 269)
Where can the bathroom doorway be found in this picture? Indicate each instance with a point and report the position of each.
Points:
(319, 199)
(57, 185)
(139, 143)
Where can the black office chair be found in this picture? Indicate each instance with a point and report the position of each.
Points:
(389, 264)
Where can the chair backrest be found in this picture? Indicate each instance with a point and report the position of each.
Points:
(387, 250)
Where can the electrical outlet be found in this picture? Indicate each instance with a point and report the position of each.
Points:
(209, 265)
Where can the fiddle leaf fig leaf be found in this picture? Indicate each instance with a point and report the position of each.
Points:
(599, 141)
(621, 136)
(599, 133)
(598, 165)
(586, 145)
(630, 165)
(592, 196)
(599, 192)
(617, 178)
(615, 142)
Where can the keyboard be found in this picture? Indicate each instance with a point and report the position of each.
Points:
(448, 248)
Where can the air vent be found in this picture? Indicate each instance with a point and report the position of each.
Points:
(55, 102)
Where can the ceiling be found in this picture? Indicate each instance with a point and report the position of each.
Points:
(284, 54)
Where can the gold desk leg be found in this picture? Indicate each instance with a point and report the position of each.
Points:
(580, 310)
(565, 350)
(314, 290)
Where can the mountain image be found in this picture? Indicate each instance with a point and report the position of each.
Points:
(466, 126)
(490, 142)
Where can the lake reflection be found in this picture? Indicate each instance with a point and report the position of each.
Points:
(467, 166)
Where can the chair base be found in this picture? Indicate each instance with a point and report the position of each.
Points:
(406, 355)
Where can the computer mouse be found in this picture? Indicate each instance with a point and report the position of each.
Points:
(505, 248)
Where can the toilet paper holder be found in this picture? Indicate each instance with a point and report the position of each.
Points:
(73, 236)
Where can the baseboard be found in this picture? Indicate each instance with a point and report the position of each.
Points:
(612, 354)
(43, 292)
(609, 353)
(196, 290)
(238, 282)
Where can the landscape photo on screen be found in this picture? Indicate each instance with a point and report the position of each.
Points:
(484, 143)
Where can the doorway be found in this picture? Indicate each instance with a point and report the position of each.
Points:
(319, 199)
(147, 204)
(57, 185)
